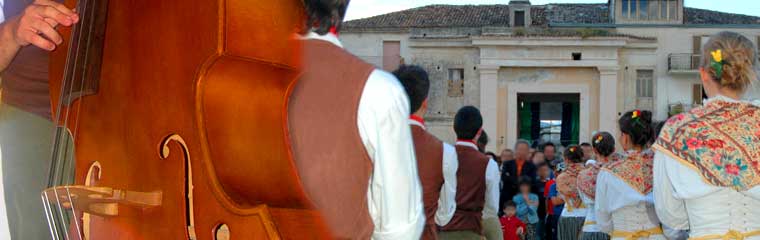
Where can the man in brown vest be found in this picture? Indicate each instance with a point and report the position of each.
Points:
(477, 180)
(26, 35)
(436, 161)
(350, 137)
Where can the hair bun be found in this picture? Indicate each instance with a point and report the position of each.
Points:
(738, 70)
(733, 66)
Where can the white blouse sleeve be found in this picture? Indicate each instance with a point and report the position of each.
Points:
(491, 208)
(447, 203)
(601, 204)
(670, 209)
(395, 193)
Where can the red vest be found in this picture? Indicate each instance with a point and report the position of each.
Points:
(471, 191)
(25, 80)
(429, 151)
(332, 162)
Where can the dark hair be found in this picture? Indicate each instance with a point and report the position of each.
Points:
(585, 144)
(574, 153)
(658, 128)
(525, 180)
(493, 155)
(548, 144)
(467, 122)
(483, 139)
(639, 129)
(321, 15)
(604, 143)
(738, 60)
(416, 83)
(510, 203)
(543, 164)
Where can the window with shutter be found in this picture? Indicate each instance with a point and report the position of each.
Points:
(456, 82)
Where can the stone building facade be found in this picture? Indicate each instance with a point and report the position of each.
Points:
(533, 69)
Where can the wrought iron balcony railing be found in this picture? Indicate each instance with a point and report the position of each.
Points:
(683, 62)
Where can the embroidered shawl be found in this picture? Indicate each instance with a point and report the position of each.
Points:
(567, 184)
(721, 141)
(635, 170)
(587, 177)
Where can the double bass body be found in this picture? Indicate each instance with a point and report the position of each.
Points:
(190, 103)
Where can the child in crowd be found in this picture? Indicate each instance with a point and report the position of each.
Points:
(554, 204)
(527, 206)
(544, 176)
(511, 225)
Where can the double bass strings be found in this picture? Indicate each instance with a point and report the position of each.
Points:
(63, 165)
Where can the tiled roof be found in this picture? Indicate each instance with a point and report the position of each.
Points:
(542, 15)
(438, 16)
(702, 16)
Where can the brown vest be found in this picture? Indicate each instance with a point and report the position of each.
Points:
(25, 80)
(332, 162)
(429, 151)
(471, 191)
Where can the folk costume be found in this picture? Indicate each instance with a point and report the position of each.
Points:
(623, 202)
(363, 178)
(477, 193)
(707, 171)
(587, 189)
(437, 165)
(573, 215)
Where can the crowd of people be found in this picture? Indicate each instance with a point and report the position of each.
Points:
(606, 189)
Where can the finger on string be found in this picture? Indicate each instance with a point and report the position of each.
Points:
(55, 14)
(49, 32)
(33, 38)
(61, 8)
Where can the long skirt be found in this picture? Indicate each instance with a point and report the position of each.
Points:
(570, 228)
(594, 236)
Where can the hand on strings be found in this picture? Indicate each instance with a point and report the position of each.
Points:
(36, 25)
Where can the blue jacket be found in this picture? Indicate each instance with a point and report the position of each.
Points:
(527, 213)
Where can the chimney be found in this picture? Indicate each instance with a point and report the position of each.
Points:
(519, 13)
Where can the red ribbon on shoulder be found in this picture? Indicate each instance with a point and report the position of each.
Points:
(418, 119)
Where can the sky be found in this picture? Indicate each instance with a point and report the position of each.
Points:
(367, 8)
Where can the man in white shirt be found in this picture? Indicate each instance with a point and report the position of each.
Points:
(477, 180)
(436, 161)
(350, 137)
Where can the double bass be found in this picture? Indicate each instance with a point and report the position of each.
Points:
(172, 122)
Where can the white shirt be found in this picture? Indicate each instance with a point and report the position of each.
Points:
(491, 207)
(634, 210)
(685, 201)
(590, 224)
(447, 203)
(2, 17)
(395, 193)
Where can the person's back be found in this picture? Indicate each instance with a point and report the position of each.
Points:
(370, 149)
(471, 178)
(707, 176)
(436, 161)
(623, 197)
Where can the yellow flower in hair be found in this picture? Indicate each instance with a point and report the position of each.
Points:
(717, 55)
(636, 114)
(572, 149)
(599, 138)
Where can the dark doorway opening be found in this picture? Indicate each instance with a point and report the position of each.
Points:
(548, 117)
